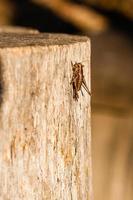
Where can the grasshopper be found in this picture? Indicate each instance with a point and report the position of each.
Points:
(78, 80)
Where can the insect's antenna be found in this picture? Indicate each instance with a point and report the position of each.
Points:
(72, 63)
(79, 62)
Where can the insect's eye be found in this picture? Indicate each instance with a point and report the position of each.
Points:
(80, 65)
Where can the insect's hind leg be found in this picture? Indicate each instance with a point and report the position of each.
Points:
(82, 92)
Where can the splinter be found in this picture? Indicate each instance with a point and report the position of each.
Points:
(78, 80)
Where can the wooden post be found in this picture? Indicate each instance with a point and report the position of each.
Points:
(44, 133)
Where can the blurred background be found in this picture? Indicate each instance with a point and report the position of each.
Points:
(109, 24)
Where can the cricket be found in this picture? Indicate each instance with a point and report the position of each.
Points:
(78, 80)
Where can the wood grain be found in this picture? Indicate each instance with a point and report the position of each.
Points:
(45, 135)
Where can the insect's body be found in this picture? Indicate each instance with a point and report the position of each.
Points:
(78, 80)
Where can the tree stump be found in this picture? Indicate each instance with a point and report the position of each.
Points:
(45, 150)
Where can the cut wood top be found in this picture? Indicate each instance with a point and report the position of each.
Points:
(9, 40)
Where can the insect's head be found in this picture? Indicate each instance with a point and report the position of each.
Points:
(77, 67)
(80, 65)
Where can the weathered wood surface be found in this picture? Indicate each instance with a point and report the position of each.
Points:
(45, 135)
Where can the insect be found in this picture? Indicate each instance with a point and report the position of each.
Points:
(78, 80)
